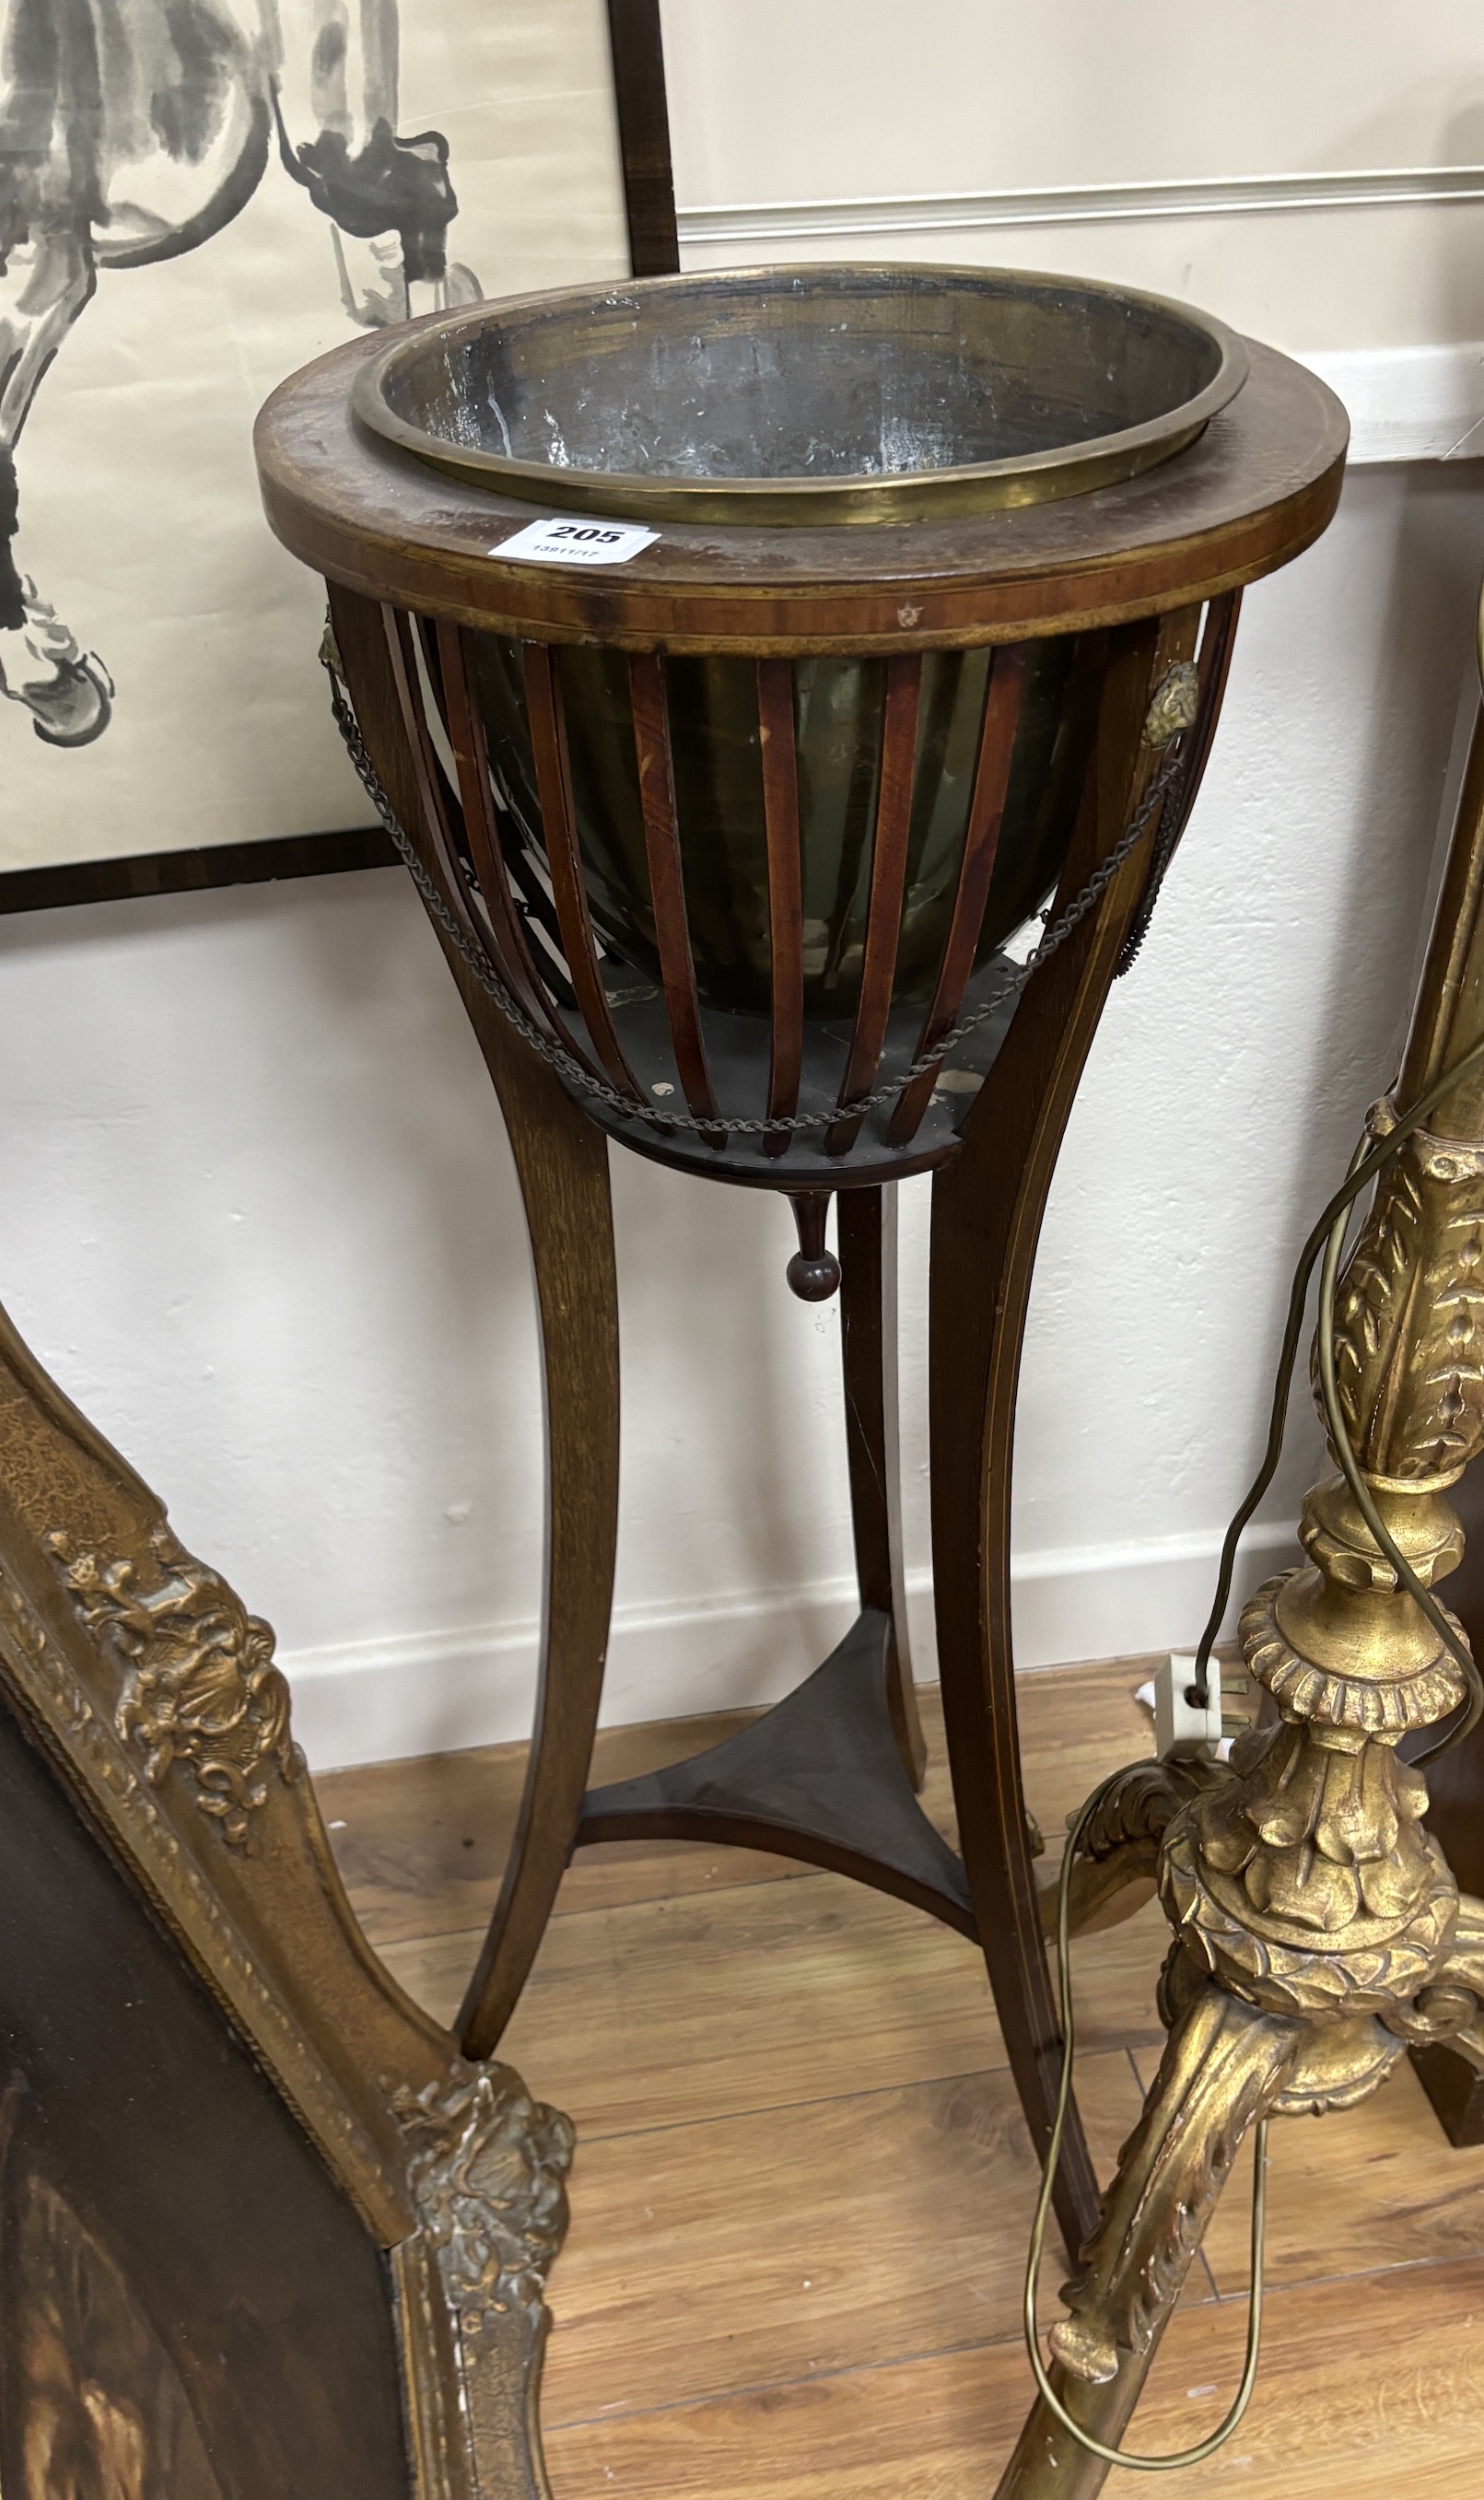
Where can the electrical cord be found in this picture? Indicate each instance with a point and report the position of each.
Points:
(1326, 1241)
(1209, 2446)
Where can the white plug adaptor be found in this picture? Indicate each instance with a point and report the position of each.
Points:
(1182, 1728)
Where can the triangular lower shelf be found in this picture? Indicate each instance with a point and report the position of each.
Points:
(818, 1777)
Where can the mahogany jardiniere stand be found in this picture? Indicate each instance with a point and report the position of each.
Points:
(730, 842)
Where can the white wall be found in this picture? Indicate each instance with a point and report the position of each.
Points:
(1315, 175)
(1139, 118)
(823, 99)
(258, 1217)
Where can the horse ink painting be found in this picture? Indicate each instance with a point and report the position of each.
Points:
(132, 131)
(195, 196)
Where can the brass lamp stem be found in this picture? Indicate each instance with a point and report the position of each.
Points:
(1318, 1930)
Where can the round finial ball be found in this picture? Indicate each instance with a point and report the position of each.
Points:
(813, 1280)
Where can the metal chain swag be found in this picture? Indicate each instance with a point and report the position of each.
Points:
(1164, 782)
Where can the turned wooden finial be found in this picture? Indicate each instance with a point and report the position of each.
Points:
(813, 1271)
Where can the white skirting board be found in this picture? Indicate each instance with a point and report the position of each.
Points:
(383, 1701)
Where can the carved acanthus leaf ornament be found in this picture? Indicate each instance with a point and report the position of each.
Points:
(487, 2167)
(1409, 1315)
(200, 1686)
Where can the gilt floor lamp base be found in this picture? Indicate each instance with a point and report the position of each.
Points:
(1319, 1930)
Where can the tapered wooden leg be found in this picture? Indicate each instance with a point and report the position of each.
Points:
(975, 1665)
(987, 1209)
(564, 1180)
(866, 1220)
(561, 1159)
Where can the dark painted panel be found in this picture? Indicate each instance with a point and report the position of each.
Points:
(188, 2304)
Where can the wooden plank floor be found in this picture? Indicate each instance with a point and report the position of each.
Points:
(803, 2187)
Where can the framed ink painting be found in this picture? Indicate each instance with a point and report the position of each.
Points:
(196, 197)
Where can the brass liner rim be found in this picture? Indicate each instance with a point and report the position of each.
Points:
(1021, 479)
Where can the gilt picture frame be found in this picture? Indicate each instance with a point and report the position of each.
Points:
(263, 2226)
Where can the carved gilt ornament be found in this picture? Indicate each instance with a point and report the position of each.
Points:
(200, 1686)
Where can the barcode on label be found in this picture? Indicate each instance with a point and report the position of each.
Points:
(574, 543)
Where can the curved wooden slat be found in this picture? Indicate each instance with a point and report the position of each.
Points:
(463, 721)
(528, 894)
(558, 820)
(888, 882)
(667, 885)
(428, 774)
(536, 913)
(785, 890)
(981, 843)
(435, 795)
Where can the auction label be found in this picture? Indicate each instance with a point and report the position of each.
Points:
(575, 542)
